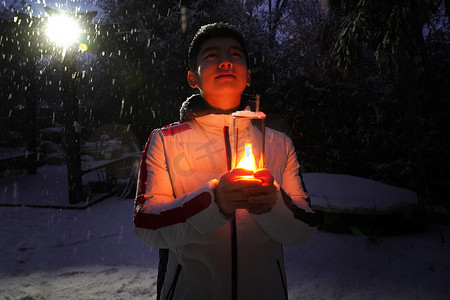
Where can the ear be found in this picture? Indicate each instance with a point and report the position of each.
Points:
(192, 79)
(249, 77)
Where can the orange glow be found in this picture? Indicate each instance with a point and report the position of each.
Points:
(248, 161)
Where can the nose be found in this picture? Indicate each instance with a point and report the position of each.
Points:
(225, 63)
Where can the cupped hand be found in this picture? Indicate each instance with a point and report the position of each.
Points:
(231, 192)
(262, 198)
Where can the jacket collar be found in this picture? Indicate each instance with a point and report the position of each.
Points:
(196, 106)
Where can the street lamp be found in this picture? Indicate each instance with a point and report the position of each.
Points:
(65, 33)
(63, 30)
(69, 32)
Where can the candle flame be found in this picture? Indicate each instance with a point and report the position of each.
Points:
(248, 161)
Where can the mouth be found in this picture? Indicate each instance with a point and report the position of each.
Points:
(225, 76)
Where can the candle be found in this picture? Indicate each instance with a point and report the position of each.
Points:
(248, 141)
(248, 161)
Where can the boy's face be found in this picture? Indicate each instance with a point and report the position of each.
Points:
(221, 74)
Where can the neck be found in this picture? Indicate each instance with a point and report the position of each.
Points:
(223, 103)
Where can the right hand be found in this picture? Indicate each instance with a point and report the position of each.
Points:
(230, 193)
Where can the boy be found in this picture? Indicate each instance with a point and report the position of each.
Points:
(221, 236)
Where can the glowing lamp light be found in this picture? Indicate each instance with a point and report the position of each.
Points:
(63, 30)
(248, 139)
(248, 161)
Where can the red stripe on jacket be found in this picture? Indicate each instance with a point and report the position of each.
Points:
(175, 128)
(171, 216)
(310, 218)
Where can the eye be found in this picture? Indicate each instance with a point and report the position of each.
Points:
(210, 55)
(237, 54)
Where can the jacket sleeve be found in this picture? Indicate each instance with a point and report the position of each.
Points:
(160, 219)
(291, 221)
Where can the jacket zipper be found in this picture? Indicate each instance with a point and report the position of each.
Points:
(283, 281)
(234, 257)
(171, 292)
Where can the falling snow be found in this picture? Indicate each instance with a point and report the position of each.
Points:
(50, 249)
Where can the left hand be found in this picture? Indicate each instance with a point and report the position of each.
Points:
(230, 192)
(262, 198)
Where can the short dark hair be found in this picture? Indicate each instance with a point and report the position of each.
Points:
(213, 30)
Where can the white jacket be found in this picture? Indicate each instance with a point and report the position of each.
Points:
(211, 256)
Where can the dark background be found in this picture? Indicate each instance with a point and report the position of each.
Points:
(361, 87)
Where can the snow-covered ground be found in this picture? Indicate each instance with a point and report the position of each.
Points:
(92, 253)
